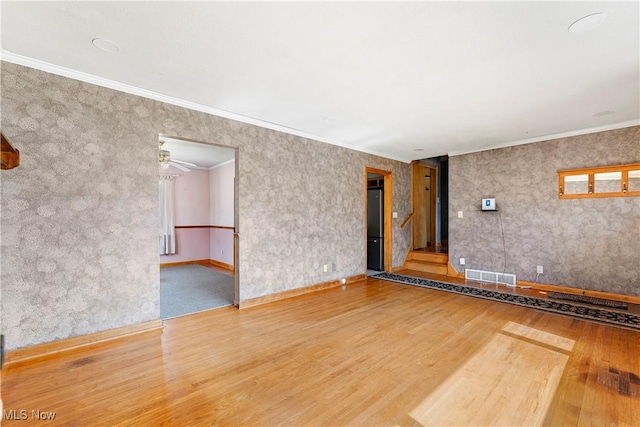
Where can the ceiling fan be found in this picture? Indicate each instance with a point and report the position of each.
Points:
(165, 159)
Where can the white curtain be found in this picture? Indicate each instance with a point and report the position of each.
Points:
(167, 229)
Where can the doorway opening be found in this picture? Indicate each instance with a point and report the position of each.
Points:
(198, 215)
(430, 201)
(377, 218)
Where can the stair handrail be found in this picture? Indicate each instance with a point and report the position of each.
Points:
(406, 221)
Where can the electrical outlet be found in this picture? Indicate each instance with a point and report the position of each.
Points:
(539, 269)
(462, 261)
(325, 268)
(459, 214)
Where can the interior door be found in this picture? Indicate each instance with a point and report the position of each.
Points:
(419, 207)
(427, 210)
(424, 196)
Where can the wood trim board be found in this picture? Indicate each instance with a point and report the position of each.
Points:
(222, 227)
(453, 272)
(222, 264)
(199, 262)
(177, 264)
(575, 291)
(252, 302)
(28, 354)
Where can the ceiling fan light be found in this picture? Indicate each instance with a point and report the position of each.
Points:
(164, 165)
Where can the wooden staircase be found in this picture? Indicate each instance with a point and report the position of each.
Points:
(428, 262)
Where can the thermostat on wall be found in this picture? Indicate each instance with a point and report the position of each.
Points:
(488, 204)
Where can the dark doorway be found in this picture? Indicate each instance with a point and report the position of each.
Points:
(377, 190)
(430, 197)
(375, 222)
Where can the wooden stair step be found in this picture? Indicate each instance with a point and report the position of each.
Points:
(432, 257)
(427, 267)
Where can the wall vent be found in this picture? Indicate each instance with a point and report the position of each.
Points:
(507, 279)
(490, 276)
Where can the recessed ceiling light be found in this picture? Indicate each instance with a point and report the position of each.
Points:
(419, 149)
(587, 23)
(106, 45)
(604, 113)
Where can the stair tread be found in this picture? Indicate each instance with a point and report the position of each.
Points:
(417, 261)
(428, 262)
(429, 256)
(432, 261)
(420, 261)
(427, 268)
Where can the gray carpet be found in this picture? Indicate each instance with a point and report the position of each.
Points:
(192, 288)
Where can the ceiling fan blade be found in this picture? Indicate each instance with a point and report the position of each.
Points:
(184, 163)
(179, 166)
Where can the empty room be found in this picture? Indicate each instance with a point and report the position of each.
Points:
(320, 213)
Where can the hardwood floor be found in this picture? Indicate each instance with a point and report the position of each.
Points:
(372, 353)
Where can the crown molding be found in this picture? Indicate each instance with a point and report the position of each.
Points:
(550, 137)
(222, 164)
(122, 87)
(110, 84)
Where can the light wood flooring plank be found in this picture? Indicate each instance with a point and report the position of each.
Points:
(368, 354)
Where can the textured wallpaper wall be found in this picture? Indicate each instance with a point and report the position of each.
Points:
(221, 202)
(192, 244)
(80, 212)
(191, 196)
(79, 216)
(583, 243)
(191, 199)
(221, 212)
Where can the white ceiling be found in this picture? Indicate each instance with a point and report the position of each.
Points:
(388, 78)
(204, 156)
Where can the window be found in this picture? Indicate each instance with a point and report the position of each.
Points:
(605, 181)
